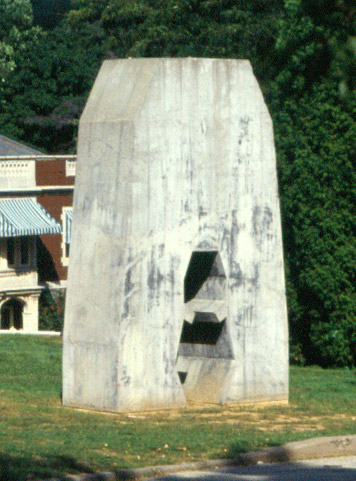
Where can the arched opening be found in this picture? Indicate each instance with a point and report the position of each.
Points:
(11, 314)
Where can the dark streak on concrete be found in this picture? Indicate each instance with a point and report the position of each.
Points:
(202, 212)
(261, 222)
(244, 124)
(255, 220)
(114, 378)
(128, 284)
(204, 245)
(155, 278)
(151, 276)
(160, 279)
(236, 275)
(234, 228)
(126, 310)
(268, 217)
(256, 275)
(125, 378)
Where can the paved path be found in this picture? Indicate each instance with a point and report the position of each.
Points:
(327, 469)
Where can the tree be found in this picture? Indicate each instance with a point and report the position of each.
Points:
(49, 13)
(206, 28)
(57, 71)
(315, 134)
(15, 30)
(303, 53)
(317, 37)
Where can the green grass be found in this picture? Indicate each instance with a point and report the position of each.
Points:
(40, 438)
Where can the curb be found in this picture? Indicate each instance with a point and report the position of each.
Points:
(297, 451)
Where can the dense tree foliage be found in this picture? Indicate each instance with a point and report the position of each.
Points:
(315, 132)
(304, 55)
(54, 71)
(171, 28)
(48, 13)
(317, 164)
(16, 32)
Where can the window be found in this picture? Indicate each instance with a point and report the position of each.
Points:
(24, 251)
(70, 168)
(12, 314)
(18, 251)
(67, 213)
(10, 245)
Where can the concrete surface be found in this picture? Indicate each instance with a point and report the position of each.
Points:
(176, 282)
(329, 469)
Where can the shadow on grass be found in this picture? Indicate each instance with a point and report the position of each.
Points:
(18, 468)
(272, 454)
(242, 467)
(15, 468)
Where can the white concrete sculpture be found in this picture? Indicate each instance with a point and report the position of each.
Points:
(176, 283)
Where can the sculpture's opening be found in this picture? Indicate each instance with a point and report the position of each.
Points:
(205, 329)
(205, 277)
(205, 351)
(204, 297)
(182, 376)
(205, 338)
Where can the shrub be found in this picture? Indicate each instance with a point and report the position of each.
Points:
(51, 310)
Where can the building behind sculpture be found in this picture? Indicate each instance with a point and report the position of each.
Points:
(35, 202)
(176, 283)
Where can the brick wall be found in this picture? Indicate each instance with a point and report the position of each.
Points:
(50, 251)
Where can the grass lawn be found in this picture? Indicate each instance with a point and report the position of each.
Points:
(41, 439)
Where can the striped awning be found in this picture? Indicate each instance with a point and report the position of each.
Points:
(22, 217)
(68, 226)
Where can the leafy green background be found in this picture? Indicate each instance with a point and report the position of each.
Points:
(303, 54)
